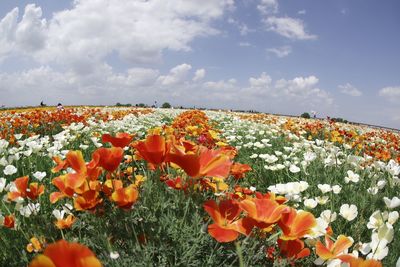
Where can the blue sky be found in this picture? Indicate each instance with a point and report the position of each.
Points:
(338, 58)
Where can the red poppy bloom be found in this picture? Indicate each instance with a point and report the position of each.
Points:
(293, 249)
(331, 250)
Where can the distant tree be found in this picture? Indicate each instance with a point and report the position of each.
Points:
(305, 115)
(142, 105)
(118, 104)
(166, 105)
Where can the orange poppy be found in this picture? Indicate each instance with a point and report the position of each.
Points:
(65, 254)
(293, 249)
(125, 197)
(153, 149)
(109, 158)
(296, 224)
(238, 170)
(205, 162)
(359, 262)
(120, 140)
(65, 223)
(21, 183)
(226, 226)
(9, 221)
(331, 250)
(87, 200)
(264, 211)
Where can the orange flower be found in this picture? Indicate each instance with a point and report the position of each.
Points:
(293, 249)
(35, 245)
(359, 262)
(109, 158)
(226, 226)
(153, 149)
(177, 183)
(65, 223)
(296, 224)
(65, 254)
(125, 197)
(205, 162)
(21, 184)
(264, 211)
(61, 164)
(331, 250)
(87, 200)
(120, 140)
(238, 170)
(9, 221)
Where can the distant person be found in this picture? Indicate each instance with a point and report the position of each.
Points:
(42, 104)
(60, 106)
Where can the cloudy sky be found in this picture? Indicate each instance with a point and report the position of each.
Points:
(339, 58)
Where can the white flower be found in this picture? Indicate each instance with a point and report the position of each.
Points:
(59, 214)
(294, 169)
(377, 219)
(9, 170)
(254, 156)
(336, 189)
(349, 212)
(322, 200)
(328, 216)
(319, 229)
(309, 156)
(83, 147)
(373, 190)
(393, 217)
(381, 184)
(392, 203)
(3, 182)
(352, 177)
(386, 232)
(114, 255)
(310, 203)
(378, 248)
(39, 175)
(325, 188)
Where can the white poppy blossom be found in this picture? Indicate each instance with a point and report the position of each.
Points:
(349, 212)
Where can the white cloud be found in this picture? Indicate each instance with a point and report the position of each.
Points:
(349, 89)
(391, 92)
(221, 85)
(82, 37)
(288, 27)
(280, 52)
(176, 75)
(199, 75)
(263, 81)
(245, 44)
(302, 12)
(268, 6)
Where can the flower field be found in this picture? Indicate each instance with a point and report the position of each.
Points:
(164, 187)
